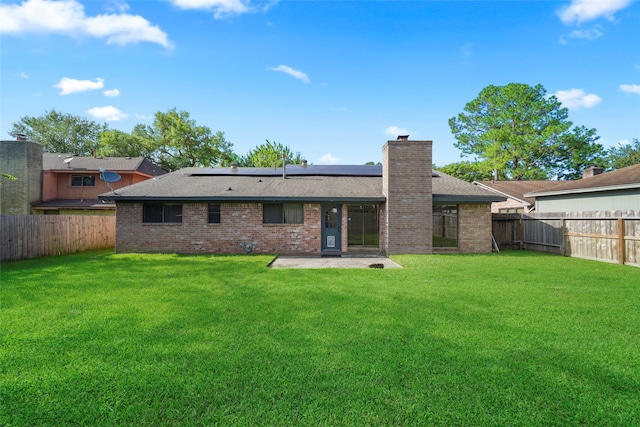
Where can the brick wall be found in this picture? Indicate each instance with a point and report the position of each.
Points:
(23, 160)
(474, 228)
(240, 227)
(406, 178)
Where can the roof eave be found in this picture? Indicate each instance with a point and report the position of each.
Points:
(502, 193)
(585, 190)
(254, 199)
(467, 198)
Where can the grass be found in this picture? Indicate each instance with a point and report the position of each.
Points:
(513, 339)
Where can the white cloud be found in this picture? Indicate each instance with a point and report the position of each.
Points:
(293, 73)
(23, 75)
(394, 131)
(329, 159)
(592, 34)
(68, 86)
(110, 93)
(220, 8)
(67, 17)
(117, 6)
(588, 10)
(109, 113)
(630, 88)
(577, 98)
(142, 117)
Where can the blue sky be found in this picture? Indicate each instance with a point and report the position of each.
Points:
(331, 79)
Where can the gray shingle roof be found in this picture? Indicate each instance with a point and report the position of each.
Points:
(624, 178)
(192, 184)
(449, 189)
(55, 162)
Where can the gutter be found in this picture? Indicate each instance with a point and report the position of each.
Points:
(631, 186)
(244, 199)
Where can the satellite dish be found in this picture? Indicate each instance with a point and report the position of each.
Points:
(109, 177)
(67, 161)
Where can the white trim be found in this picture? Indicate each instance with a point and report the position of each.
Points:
(507, 195)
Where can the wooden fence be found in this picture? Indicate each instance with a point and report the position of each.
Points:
(33, 236)
(609, 236)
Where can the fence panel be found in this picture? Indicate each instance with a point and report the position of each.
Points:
(608, 236)
(507, 231)
(33, 236)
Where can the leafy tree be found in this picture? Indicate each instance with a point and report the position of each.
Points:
(269, 155)
(521, 132)
(60, 133)
(115, 143)
(178, 142)
(624, 155)
(373, 164)
(576, 151)
(469, 171)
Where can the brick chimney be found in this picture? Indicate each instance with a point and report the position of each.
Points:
(592, 171)
(406, 184)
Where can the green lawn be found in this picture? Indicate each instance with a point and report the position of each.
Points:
(147, 340)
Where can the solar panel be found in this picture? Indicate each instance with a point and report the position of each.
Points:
(298, 170)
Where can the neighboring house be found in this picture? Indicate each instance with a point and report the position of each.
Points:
(71, 184)
(21, 159)
(515, 192)
(597, 191)
(400, 207)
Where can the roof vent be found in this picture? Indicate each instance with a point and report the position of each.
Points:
(403, 137)
(21, 137)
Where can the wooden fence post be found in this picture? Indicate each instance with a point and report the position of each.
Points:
(563, 238)
(621, 241)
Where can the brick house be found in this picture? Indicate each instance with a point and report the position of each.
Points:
(401, 207)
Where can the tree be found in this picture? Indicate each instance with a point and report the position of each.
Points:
(520, 131)
(115, 143)
(269, 155)
(469, 171)
(60, 133)
(624, 155)
(577, 151)
(178, 142)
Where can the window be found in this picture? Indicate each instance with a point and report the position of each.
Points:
(214, 214)
(282, 213)
(445, 226)
(162, 212)
(363, 225)
(83, 180)
(511, 210)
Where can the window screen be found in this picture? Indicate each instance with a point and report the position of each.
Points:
(287, 213)
(214, 214)
(162, 212)
(83, 181)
